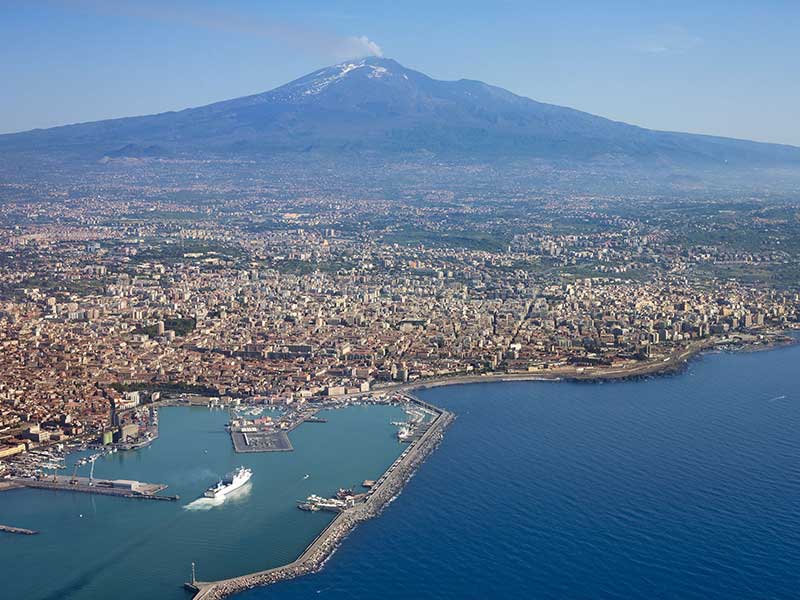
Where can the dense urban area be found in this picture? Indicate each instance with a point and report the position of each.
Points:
(115, 290)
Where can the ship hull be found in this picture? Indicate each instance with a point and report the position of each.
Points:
(223, 489)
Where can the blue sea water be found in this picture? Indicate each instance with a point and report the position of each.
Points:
(685, 486)
(98, 547)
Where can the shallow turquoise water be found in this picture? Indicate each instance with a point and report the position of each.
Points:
(96, 547)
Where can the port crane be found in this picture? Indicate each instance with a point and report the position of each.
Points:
(74, 479)
(92, 458)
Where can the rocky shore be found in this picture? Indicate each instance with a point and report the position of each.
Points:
(315, 556)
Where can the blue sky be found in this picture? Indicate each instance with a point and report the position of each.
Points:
(718, 67)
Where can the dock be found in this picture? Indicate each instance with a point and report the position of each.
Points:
(106, 487)
(17, 530)
(261, 441)
(273, 438)
(7, 484)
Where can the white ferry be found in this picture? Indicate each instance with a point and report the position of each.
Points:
(232, 481)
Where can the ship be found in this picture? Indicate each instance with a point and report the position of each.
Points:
(315, 503)
(232, 481)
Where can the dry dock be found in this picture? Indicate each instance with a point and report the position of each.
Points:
(315, 555)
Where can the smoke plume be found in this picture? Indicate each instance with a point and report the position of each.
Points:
(299, 38)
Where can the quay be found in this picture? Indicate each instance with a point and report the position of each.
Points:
(7, 484)
(17, 530)
(249, 438)
(106, 487)
(261, 441)
(379, 495)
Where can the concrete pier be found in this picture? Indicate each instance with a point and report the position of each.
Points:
(273, 439)
(106, 487)
(261, 441)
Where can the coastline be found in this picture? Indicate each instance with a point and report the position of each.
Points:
(318, 552)
(674, 363)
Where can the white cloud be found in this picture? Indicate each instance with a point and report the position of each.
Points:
(297, 37)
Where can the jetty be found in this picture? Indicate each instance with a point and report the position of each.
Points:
(378, 496)
(107, 487)
(17, 530)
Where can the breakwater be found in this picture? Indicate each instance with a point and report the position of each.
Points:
(17, 530)
(314, 556)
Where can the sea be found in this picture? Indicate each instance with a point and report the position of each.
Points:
(677, 487)
(684, 486)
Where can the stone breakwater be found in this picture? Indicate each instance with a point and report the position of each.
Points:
(315, 556)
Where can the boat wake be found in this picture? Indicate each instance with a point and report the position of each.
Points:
(776, 398)
(204, 503)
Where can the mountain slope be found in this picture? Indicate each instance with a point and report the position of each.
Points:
(377, 106)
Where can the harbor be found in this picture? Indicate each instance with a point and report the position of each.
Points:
(255, 430)
(257, 526)
(350, 510)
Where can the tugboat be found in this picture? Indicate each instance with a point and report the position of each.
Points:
(232, 481)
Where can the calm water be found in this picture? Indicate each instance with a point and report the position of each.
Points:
(676, 487)
(95, 547)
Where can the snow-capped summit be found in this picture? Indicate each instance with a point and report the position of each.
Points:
(352, 71)
(378, 106)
